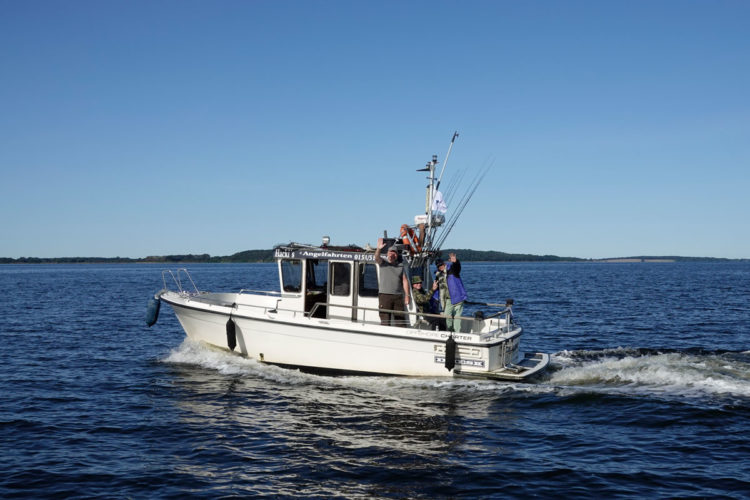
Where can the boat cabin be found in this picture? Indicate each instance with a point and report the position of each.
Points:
(329, 282)
(342, 283)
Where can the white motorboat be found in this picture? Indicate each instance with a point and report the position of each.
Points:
(325, 317)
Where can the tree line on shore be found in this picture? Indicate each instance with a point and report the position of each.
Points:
(249, 256)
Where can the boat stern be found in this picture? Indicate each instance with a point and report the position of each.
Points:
(526, 368)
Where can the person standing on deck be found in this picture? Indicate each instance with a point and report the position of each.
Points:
(452, 292)
(393, 287)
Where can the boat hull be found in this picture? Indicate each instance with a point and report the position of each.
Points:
(271, 336)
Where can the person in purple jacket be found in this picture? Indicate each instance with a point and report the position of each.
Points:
(452, 292)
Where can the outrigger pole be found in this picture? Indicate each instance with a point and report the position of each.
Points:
(431, 190)
(447, 155)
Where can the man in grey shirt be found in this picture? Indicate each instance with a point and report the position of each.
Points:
(393, 287)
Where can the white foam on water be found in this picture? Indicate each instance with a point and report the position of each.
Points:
(194, 353)
(674, 373)
(569, 358)
(447, 383)
(226, 363)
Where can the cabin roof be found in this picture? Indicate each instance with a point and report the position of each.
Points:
(329, 252)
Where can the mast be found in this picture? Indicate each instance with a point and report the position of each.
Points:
(433, 188)
(431, 243)
(430, 199)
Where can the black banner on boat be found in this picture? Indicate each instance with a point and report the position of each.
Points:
(301, 253)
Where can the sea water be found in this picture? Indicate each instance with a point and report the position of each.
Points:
(647, 395)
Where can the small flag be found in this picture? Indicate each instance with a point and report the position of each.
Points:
(438, 205)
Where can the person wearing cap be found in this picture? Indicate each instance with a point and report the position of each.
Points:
(421, 299)
(393, 287)
(451, 290)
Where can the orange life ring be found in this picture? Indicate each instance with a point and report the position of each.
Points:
(409, 238)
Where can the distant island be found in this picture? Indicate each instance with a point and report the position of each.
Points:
(249, 256)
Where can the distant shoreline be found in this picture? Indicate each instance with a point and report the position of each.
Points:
(259, 256)
(648, 259)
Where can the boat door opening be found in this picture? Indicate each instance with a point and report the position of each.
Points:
(316, 285)
(340, 297)
(367, 292)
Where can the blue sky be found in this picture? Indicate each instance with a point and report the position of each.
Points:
(159, 127)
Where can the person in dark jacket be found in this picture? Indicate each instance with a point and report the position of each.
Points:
(452, 291)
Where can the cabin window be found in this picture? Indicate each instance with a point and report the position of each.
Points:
(291, 275)
(368, 280)
(341, 274)
(317, 275)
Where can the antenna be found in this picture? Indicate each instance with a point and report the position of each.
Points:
(447, 155)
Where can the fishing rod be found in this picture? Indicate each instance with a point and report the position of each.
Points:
(435, 229)
(452, 187)
(459, 210)
(462, 204)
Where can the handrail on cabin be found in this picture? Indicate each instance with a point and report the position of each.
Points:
(509, 322)
(272, 293)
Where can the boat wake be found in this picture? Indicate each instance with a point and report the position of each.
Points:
(689, 374)
(226, 363)
(680, 373)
